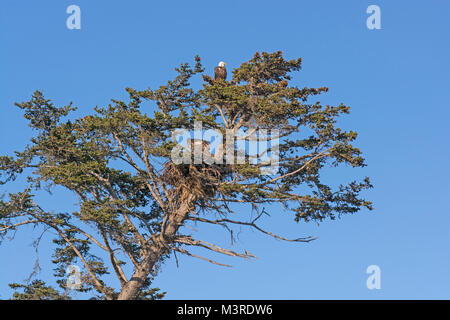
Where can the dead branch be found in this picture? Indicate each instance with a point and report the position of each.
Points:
(200, 243)
(199, 257)
(251, 224)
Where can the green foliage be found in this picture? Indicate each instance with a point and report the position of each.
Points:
(36, 290)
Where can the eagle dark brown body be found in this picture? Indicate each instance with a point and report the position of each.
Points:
(220, 72)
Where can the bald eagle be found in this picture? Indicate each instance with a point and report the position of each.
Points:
(220, 72)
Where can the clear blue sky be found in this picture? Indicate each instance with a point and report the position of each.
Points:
(395, 79)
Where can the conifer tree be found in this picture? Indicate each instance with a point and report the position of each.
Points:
(134, 200)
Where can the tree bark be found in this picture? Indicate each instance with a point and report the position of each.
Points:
(132, 288)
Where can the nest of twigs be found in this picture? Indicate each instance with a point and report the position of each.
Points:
(202, 180)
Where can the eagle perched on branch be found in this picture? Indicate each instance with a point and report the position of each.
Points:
(220, 72)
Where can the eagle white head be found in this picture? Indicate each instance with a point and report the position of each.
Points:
(222, 64)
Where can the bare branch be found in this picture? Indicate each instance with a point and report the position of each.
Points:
(115, 263)
(18, 224)
(200, 243)
(251, 224)
(319, 155)
(225, 122)
(199, 257)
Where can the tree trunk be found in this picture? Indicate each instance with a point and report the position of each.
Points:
(131, 289)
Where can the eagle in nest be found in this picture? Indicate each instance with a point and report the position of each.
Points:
(220, 72)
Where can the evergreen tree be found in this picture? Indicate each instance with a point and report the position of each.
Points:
(134, 199)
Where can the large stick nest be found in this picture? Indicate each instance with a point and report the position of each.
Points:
(202, 180)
